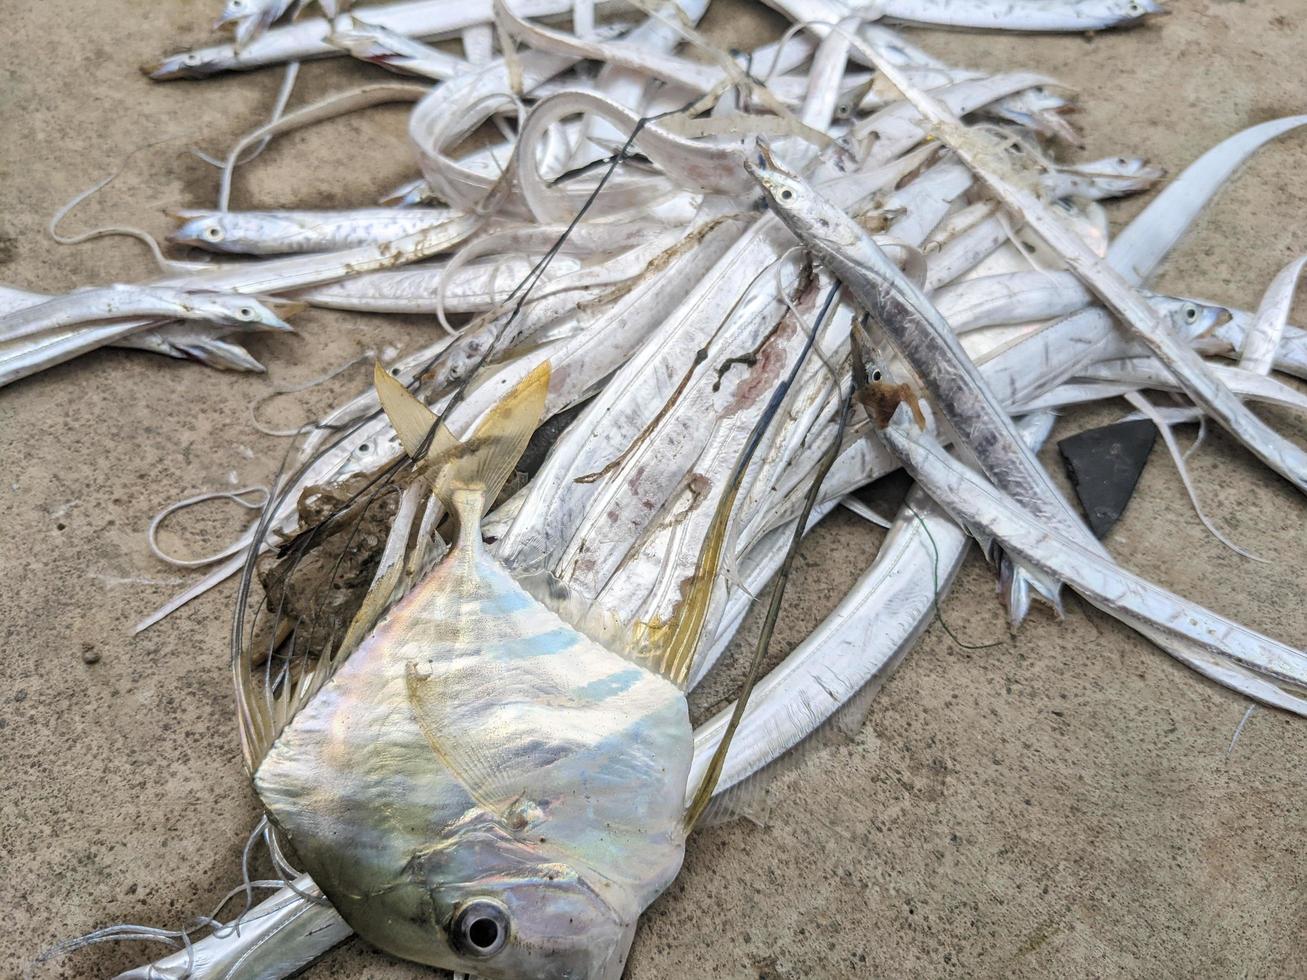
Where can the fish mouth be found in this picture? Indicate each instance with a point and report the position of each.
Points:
(286, 310)
(765, 161)
(168, 68)
(1147, 9)
(185, 65)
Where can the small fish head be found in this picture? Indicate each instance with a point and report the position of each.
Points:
(237, 311)
(1119, 176)
(200, 229)
(791, 198)
(1193, 319)
(186, 64)
(1137, 10)
(234, 11)
(783, 189)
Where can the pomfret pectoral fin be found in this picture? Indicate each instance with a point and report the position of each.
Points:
(480, 773)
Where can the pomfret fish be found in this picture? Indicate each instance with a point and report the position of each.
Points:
(479, 786)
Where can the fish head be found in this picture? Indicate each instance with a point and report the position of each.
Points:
(202, 229)
(188, 64)
(235, 11)
(793, 200)
(1119, 176)
(236, 310)
(1191, 318)
(508, 911)
(1134, 11)
(501, 903)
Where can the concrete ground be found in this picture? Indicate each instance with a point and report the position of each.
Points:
(1062, 803)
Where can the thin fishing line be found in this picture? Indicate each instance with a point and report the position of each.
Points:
(367, 355)
(704, 794)
(939, 614)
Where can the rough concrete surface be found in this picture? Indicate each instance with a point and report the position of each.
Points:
(1060, 803)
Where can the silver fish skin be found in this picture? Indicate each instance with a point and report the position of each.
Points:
(1036, 16)
(1098, 180)
(1029, 15)
(299, 232)
(124, 300)
(480, 787)
(310, 37)
(976, 503)
(1116, 290)
(394, 52)
(917, 333)
(251, 18)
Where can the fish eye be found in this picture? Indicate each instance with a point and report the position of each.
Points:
(245, 313)
(192, 58)
(213, 233)
(480, 928)
(876, 375)
(786, 194)
(1190, 313)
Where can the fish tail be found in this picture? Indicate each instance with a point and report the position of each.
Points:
(466, 472)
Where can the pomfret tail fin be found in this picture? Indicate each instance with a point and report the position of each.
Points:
(484, 461)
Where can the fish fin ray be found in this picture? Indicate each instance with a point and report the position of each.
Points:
(486, 459)
(420, 431)
(476, 771)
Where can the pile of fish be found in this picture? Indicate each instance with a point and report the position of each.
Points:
(688, 302)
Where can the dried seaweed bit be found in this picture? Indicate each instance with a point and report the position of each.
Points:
(318, 578)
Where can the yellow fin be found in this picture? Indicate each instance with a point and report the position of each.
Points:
(419, 431)
(677, 641)
(484, 461)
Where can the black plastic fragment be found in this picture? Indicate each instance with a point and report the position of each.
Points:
(1104, 465)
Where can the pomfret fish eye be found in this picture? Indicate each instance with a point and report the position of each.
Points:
(480, 928)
